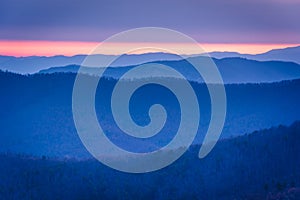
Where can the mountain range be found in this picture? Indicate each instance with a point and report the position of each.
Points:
(256, 157)
(262, 165)
(39, 121)
(33, 64)
(290, 54)
(232, 70)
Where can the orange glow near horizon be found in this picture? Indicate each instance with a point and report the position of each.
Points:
(70, 48)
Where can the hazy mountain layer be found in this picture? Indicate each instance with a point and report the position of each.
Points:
(232, 70)
(36, 113)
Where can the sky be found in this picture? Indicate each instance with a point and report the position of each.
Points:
(35, 27)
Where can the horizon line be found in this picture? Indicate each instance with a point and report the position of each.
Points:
(25, 48)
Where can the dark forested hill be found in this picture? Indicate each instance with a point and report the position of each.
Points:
(261, 165)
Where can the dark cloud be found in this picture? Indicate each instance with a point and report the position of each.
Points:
(217, 21)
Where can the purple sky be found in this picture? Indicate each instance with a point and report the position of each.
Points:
(211, 21)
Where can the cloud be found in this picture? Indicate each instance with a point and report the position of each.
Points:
(269, 21)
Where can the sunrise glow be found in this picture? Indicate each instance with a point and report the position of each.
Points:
(69, 48)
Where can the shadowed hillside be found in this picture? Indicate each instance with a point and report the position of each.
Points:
(261, 165)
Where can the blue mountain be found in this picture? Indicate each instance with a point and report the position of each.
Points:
(290, 54)
(36, 112)
(33, 64)
(233, 70)
(262, 165)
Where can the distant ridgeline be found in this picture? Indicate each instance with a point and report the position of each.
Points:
(36, 113)
(233, 70)
(33, 64)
